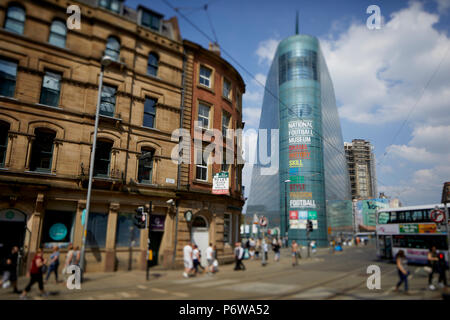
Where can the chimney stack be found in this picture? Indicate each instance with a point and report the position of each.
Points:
(214, 47)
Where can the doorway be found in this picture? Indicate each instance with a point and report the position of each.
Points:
(200, 236)
(12, 231)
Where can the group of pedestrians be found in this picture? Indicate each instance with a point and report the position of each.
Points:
(38, 268)
(192, 260)
(435, 265)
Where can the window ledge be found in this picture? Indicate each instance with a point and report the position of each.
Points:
(4, 168)
(202, 182)
(40, 173)
(227, 100)
(143, 184)
(47, 106)
(9, 98)
(110, 118)
(202, 86)
(152, 129)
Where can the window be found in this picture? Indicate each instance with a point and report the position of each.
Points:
(127, 234)
(149, 112)
(51, 87)
(8, 73)
(57, 228)
(4, 129)
(150, 20)
(15, 19)
(108, 101)
(42, 150)
(203, 115)
(205, 76)
(226, 90)
(225, 123)
(152, 67)
(58, 32)
(112, 5)
(102, 158)
(145, 169)
(227, 228)
(96, 230)
(113, 48)
(201, 172)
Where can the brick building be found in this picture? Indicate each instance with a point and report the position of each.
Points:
(49, 78)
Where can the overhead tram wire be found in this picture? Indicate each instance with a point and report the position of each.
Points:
(255, 79)
(417, 102)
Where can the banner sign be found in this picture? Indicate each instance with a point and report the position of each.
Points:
(221, 183)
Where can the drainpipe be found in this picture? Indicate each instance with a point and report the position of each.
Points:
(183, 78)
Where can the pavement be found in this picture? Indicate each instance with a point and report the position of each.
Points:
(323, 276)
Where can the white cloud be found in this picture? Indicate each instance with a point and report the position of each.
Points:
(379, 75)
(251, 117)
(412, 154)
(266, 50)
(443, 6)
(259, 80)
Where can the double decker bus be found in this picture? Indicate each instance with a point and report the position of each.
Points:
(412, 230)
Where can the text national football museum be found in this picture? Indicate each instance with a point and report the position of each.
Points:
(311, 185)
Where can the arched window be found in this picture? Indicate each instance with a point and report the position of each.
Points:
(152, 67)
(15, 19)
(42, 150)
(113, 48)
(4, 129)
(145, 170)
(199, 222)
(58, 33)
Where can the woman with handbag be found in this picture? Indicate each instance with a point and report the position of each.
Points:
(38, 268)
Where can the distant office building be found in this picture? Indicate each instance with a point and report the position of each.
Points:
(299, 101)
(361, 168)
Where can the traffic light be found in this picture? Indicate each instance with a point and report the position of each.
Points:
(309, 226)
(140, 217)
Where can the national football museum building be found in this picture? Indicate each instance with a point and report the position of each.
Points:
(311, 183)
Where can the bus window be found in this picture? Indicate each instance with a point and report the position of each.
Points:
(383, 217)
(394, 217)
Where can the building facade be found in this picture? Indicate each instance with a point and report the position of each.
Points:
(212, 101)
(49, 81)
(300, 102)
(361, 168)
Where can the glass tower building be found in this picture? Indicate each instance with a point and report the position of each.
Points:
(311, 183)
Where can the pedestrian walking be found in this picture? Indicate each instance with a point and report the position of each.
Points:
(72, 259)
(433, 263)
(216, 261)
(187, 259)
(210, 259)
(10, 273)
(403, 272)
(54, 264)
(239, 255)
(294, 253)
(252, 249)
(266, 251)
(257, 248)
(276, 250)
(196, 258)
(36, 274)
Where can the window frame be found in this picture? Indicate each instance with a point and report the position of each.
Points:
(7, 128)
(155, 65)
(9, 18)
(109, 5)
(116, 56)
(108, 174)
(6, 80)
(200, 103)
(41, 152)
(229, 125)
(153, 17)
(203, 166)
(210, 79)
(149, 113)
(49, 73)
(57, 35)
(229, 97)
(103, 99)
(150, 180)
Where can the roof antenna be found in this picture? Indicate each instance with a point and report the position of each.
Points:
(296, 23)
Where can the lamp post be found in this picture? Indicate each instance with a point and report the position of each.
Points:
(106, 61)
(286, 227)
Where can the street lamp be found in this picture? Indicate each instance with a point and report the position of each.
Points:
(285, 206)
(106, 61)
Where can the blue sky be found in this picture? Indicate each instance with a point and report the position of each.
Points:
(379, 75)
